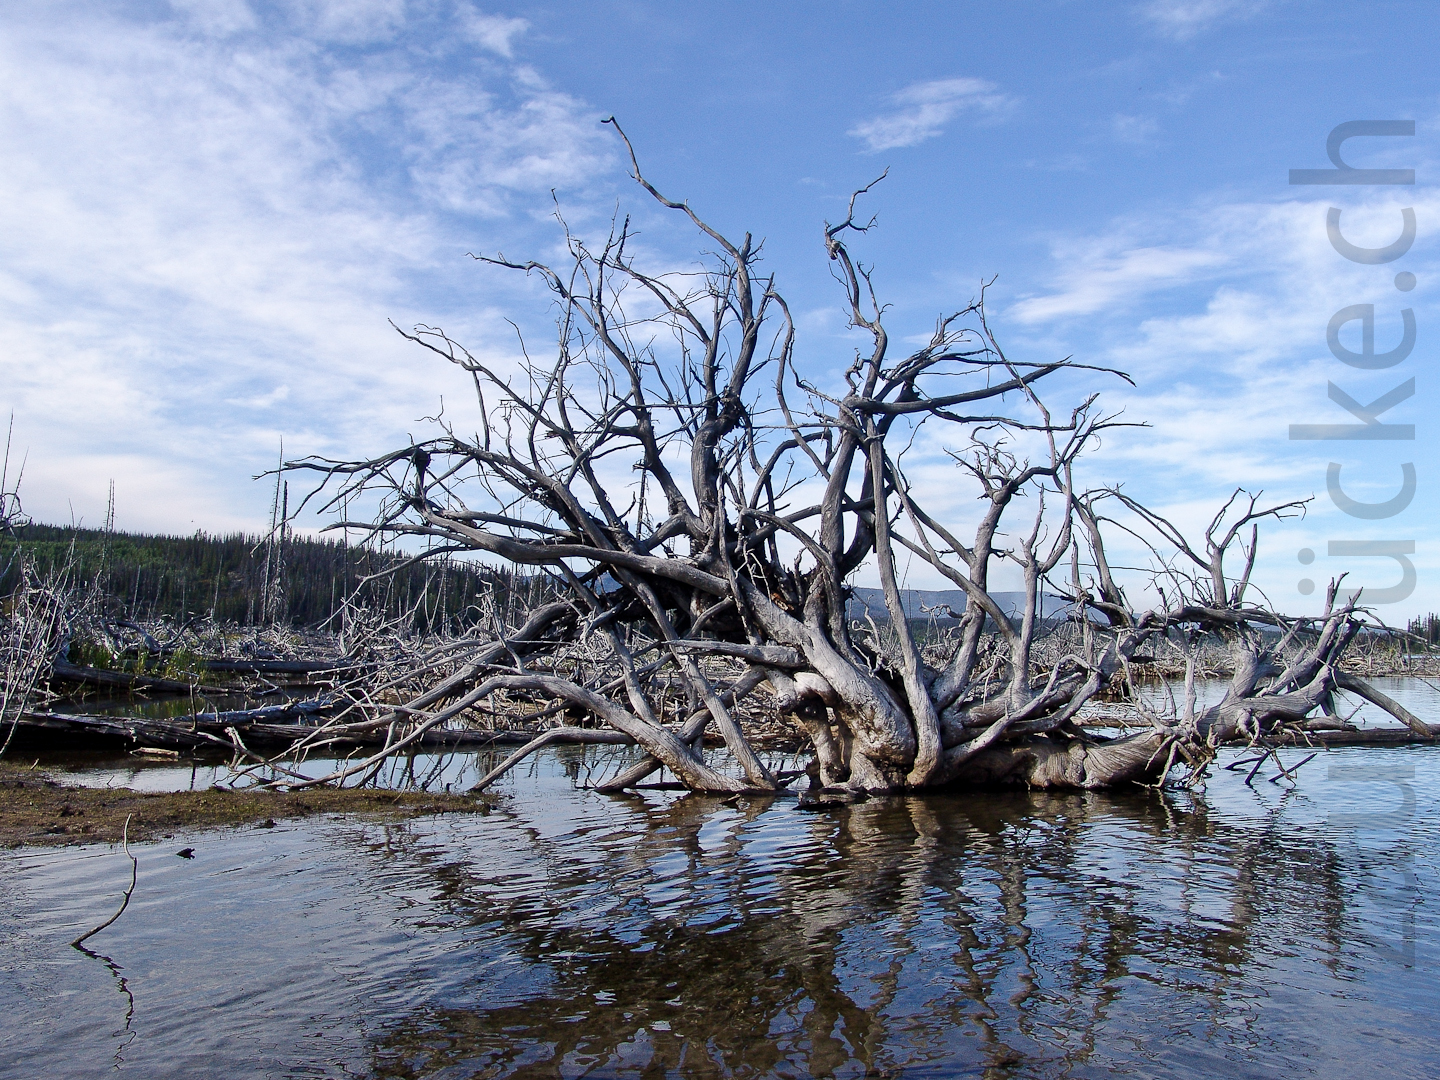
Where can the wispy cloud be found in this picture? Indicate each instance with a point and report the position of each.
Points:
(1109, 279)
(493, 32)
(1183, 19)
(924, 108)
(216, 18)
(1230, 355)
(1135, 130)
(350, 22)
(205, 221)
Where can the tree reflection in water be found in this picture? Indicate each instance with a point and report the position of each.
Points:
(1007, 935)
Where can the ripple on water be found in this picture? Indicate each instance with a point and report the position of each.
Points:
(1245, 932)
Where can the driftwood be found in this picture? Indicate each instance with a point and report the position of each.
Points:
(1386, 736)
(1359, 687)
(264, 729)
(337, 668)
(32, 627)
(79, 942)
(205, 736)
(696, 502)
(200, 733)
(65, 671)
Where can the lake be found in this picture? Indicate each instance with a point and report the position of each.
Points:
(1246, 931)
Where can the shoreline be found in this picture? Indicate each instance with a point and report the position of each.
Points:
(36, 810)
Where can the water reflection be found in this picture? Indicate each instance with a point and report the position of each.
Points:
(1019, 935)
(1237, 933)
(126, 1034)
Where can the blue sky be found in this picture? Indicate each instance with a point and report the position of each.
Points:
(210, 208)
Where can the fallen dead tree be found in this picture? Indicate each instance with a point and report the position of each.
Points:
(336, 667)
(264, 730)
(277, 726)
(693, 498)
(62, 671)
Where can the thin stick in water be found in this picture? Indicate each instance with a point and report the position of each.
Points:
(134, 872)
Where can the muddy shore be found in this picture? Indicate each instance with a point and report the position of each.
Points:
(38, 810)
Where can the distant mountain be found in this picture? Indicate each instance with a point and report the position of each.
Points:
(931, 603)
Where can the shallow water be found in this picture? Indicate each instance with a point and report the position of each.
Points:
(1245, 932)
(428, 771)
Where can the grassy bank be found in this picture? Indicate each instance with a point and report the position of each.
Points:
(38, 810)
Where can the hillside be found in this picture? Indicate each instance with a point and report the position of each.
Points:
(146, 576)
(931, 603)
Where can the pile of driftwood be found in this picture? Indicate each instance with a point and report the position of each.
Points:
(399, 694)
(376, 691)
(279, 731)
(365, 693)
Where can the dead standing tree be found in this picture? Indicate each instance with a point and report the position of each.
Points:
(747, 513)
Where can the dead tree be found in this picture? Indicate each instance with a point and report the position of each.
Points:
(695, 498)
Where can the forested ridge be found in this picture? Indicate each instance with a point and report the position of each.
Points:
(1427, 627)
(145, 576)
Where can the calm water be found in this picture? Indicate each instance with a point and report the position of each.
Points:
(1245, 932)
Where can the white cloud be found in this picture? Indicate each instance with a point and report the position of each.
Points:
(1234, 356)
(351, 22)
(201, 243)
(493, 32)
(263, 401)
(216, 17)
(1237, 255)
(1136, 130)
(925, 108)
(1183, 19)
(466, 160)
(1101, 280)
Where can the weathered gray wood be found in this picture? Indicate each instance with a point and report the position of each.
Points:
(694, 569)
(1386, 736)
(206, 733)
(1359, 686)
(287, 667)
(124, 680)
